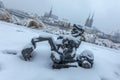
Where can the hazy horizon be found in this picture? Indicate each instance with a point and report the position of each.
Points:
(106, 18)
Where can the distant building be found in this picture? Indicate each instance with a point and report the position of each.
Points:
(50, 15)
(89, 21)
(1, 4)
(114, 38)
(18, 13)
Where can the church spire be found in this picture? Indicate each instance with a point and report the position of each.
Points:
(92, 16)
(50, 13)
(87, 21)
(91, 20)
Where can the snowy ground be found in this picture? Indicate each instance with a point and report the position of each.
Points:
(12, 67)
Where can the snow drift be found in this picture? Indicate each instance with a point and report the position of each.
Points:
(13, 67)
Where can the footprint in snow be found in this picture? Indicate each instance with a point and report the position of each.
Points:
(104, 78)
(19, 30)
(11, 52)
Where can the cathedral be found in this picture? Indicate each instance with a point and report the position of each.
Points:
(51, 15)
(89, 21)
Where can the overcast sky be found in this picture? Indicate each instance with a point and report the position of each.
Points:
(107, 12)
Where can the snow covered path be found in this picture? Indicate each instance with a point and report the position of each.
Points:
(12, 67)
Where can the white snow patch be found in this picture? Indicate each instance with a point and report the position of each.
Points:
(106, 61)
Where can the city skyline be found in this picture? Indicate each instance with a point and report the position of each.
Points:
(106, 11)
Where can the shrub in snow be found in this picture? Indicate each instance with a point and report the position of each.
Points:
(33, 22)
(90, 37)
(5, 16)
(85, 59)
(15, 20)
(104, 42)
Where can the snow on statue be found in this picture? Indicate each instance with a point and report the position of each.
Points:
(63, 51)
